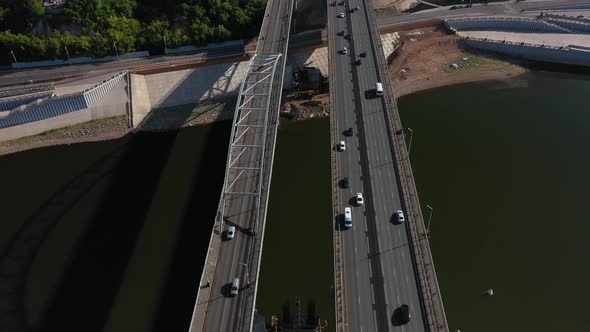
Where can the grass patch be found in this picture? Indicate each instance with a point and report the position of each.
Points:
(476, 61)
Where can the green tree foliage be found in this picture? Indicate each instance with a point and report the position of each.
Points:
(124, 32)
(33, 7)
(129, 24)
(154, 34)
(82, 11)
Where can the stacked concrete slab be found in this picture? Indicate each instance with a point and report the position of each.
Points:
(504, 24)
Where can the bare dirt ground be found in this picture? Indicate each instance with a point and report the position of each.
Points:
(305, 105)
(383, 7)
(429, 58)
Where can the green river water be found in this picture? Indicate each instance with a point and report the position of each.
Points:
(114, 233)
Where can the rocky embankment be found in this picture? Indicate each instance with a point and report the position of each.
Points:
(103, 129)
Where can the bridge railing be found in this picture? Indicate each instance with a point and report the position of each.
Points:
(339, 298)
(422, 258)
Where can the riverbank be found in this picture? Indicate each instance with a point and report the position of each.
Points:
(427, 59)
(93, 131)
(424, 59)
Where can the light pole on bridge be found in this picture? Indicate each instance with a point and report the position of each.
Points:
(247, 274)
(411, 137)
(429, 219)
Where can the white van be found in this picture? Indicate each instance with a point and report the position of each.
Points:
(379, 89)
(235, 287)
(347, 217)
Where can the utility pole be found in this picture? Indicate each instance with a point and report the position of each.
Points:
(116, 51)
(68, 54)
(13, 56)
(165, 46)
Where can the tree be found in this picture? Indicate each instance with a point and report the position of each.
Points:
(124, 32)
(82, 11)
(33, 7)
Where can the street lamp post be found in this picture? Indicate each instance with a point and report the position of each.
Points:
(247, 274)
(116, 51)
(68, 54)
(429, 219)
(165, 46)
(411, 137)
(13, 56)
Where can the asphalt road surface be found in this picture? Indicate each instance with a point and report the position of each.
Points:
(47, 74)
(531, 8)
(227, 313)
(378, 272)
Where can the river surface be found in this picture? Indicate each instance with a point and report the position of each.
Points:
(297, 260)
(505, 167)
(111, 236)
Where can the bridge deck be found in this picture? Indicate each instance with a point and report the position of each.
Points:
(245, 193)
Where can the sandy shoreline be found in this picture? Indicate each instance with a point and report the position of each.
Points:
(422, 62)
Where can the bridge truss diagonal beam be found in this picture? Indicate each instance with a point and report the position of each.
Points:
(249, 130)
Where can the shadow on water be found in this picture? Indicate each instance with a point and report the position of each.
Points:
(176, 307)
(19, 252)
(86, 293)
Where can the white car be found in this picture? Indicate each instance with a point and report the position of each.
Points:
(347, 217)
(231, 232)
(341, 15)
(359, 199)
(235, 287)
(342, 146)
(344, 50)
(399, 215)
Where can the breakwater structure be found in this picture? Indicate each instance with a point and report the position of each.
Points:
(547, 38)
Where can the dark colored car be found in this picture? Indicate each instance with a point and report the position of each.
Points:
(341, 33)
(404, 314)
(344, 183)
(363, 54)
(348, 132)
(351, 10)
(348, 36)
(357, 62)
(341, 3)
(333, 3)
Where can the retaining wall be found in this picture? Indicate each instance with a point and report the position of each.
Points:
(7, 104)
(564, 55)
(576, 25)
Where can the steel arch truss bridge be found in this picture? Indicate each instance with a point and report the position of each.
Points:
(242, 188)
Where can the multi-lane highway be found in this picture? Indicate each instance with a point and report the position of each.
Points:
(245, 193)
(378, 272)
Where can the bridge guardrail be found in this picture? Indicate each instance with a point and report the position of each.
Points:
(339, 299)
